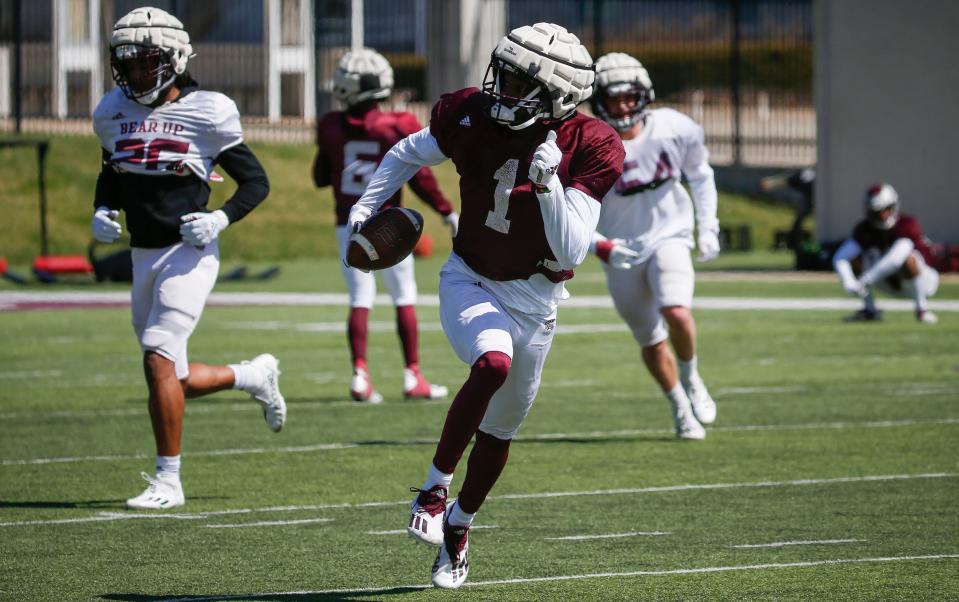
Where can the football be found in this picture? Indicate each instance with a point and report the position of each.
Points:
(385, 239)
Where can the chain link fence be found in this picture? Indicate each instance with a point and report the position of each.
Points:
(741, 68)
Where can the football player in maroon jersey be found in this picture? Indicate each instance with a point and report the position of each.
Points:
(888, 251)
(351, 144)
(532, 173)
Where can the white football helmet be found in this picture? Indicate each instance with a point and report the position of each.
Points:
(880, 197)
(362, 75)
(619, 75)
(148, 50)
(537, 72)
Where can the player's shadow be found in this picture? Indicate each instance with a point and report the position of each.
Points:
(344, 595)
(88, 504)
(53, 504)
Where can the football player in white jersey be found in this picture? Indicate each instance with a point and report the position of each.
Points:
(160, 138)
(645, 232)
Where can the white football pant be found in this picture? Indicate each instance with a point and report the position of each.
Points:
(927, 281)
(170, 289)
(400, 280)
(666, 279)
(475, 322)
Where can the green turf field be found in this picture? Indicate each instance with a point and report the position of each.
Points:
(831, 472)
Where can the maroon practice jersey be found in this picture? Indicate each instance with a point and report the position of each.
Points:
(501, 234)
(350, 149)
(867, 236)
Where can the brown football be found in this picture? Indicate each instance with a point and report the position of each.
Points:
(385, 239)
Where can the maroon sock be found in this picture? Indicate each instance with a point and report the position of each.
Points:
(466, 412)
(407, 329)
(356, 331)
(485, 464)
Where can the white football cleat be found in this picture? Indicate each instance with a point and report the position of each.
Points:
(926, 316)
(415, 386)
(426, 515)
(361, 387)
(702, 403)
(688, 428)
(267, 391)
(452, 563)
(163, 492)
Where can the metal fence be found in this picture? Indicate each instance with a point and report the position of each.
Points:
(741, 68)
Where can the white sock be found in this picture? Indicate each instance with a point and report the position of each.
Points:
(244, 376)
(679, 400)
(459, 518)
(437, 477)
(918, 295)
(169, 466)
(688, 371)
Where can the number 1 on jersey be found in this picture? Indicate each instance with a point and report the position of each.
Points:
(505, 178)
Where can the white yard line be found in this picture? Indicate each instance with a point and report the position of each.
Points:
(528, 437)
(392, 589)
(814, 542)
(12, 299)
(110, 516)
(607, 536)
(404, 532)
(270, 523)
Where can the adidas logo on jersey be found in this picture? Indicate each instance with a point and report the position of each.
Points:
(465, 121)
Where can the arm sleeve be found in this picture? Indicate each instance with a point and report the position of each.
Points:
(252, 184)
(108, 190)
(846, 252)
(701, 181)
(570, 218)
(399, 165)
(890, 262)
(321, 169)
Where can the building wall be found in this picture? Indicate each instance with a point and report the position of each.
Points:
(887, 97)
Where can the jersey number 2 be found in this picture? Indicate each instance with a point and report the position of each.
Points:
(505, 178)
(148, 151)
(357, 171)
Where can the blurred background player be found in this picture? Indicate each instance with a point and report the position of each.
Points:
(888, 251)
(351, 144)
(532, 172)
(161, 137)
(645, 232)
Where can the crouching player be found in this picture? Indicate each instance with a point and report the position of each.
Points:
(161, 137)
(887, 251)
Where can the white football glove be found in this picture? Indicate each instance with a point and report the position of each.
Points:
(200, 229)
(105, 229)
(855, 288)
(546, 159)
(622, 257)
(453, 221)
(358, 215)
(708, 244)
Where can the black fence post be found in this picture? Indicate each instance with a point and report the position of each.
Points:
(17, 67)
(597, 28)
(42, 147)
(735, 63)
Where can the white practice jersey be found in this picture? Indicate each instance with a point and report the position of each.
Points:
(186, 134)
(649, 205)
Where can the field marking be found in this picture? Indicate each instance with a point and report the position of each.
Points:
(392, 589)
(13, 300)
(269, 523)
(813, 542)
(599, 435)
(404, 532)
(108, 516)
(607, 536)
